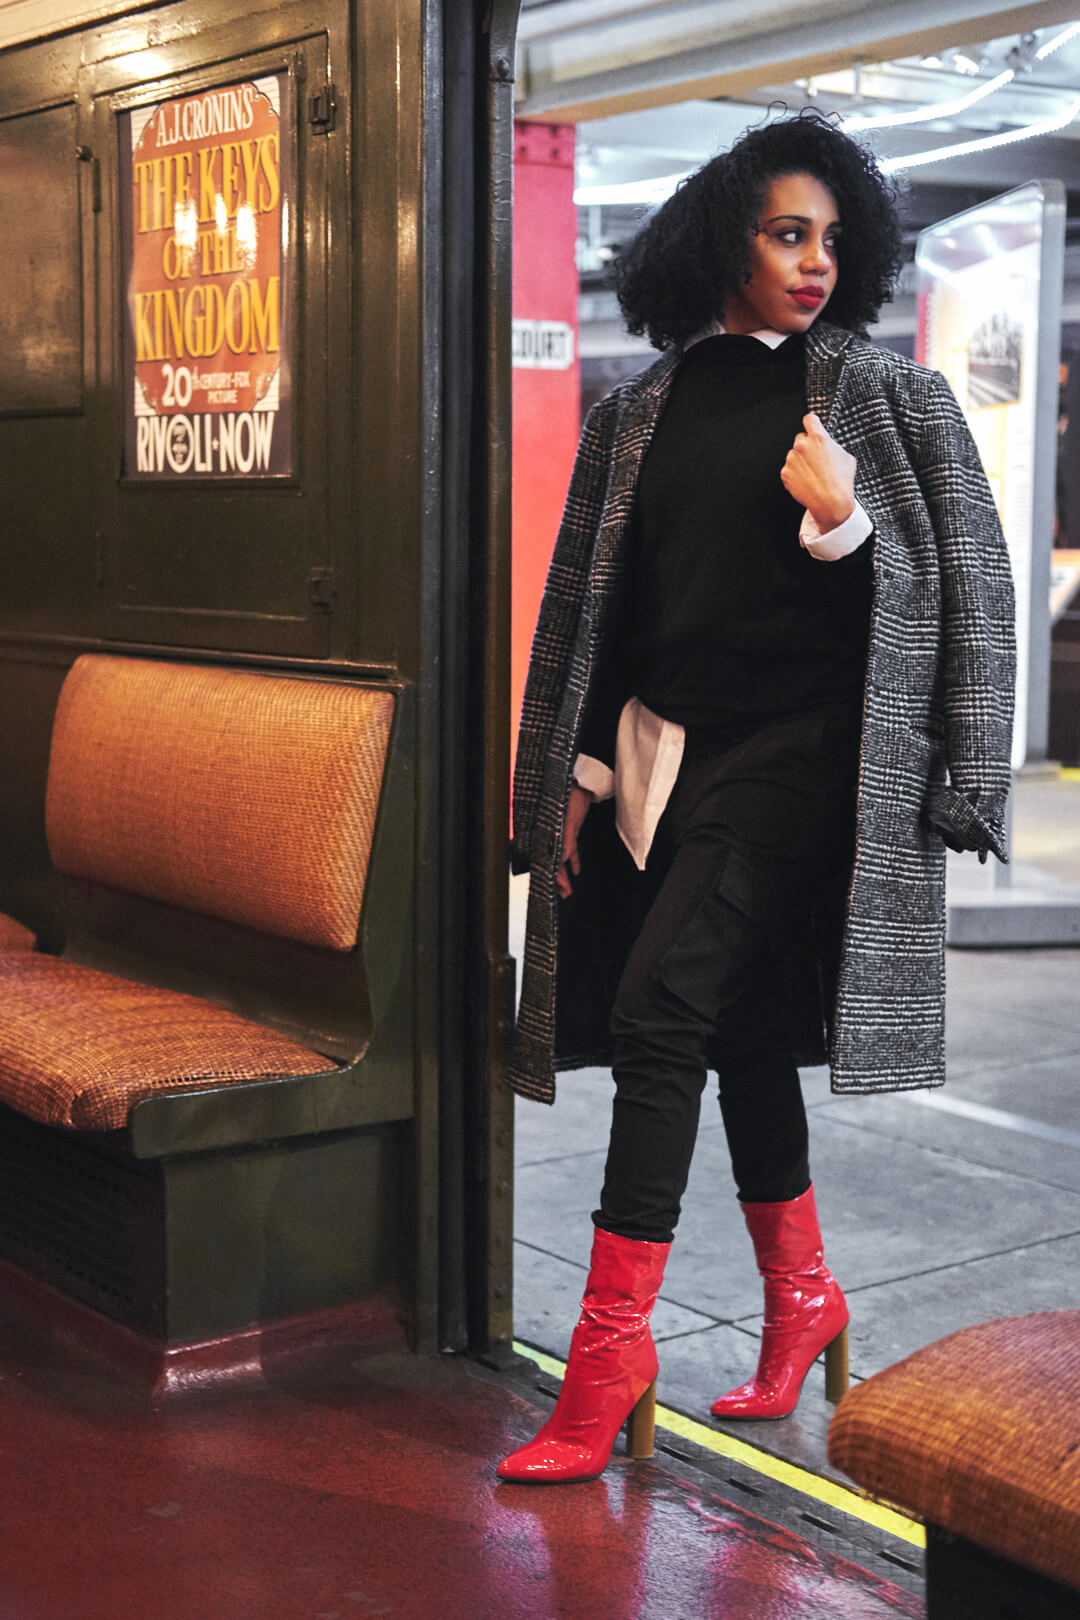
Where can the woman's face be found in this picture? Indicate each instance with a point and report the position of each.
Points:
(792, 259)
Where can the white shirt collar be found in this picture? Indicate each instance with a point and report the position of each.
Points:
(771, 339)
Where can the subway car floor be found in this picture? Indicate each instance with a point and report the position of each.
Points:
(939, 1209)
(369, 1490)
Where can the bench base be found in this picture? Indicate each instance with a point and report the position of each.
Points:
(201, 1246)
(269, 1353)
(965, 1582)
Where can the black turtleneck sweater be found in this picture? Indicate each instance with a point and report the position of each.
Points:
(727, 621)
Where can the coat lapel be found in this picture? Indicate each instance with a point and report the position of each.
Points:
(637, 423)
(836, 399)
(825, 346)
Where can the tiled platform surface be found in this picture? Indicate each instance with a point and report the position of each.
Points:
(367, 1491)
(939, 1210)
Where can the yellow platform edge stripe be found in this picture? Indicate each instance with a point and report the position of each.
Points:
(1070, 773)
(827, 1491)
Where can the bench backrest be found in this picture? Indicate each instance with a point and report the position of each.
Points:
(245, 797)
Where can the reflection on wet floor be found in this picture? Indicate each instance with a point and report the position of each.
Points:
(367, 1489)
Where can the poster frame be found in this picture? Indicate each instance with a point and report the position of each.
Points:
(184, 82)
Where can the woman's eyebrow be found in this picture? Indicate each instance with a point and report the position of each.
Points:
(802, 219)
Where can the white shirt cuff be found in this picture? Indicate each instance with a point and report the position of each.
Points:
(648, 754)
(839, 542)
(594, 776)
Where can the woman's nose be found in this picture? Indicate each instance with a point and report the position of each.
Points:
(817, 255)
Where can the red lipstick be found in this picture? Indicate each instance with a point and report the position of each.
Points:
(808, 297)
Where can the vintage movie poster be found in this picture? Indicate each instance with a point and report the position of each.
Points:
(205, 216)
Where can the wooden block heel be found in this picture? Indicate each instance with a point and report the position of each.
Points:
(641, 1426)
(836, 1367)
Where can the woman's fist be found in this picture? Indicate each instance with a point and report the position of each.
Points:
(820, 475)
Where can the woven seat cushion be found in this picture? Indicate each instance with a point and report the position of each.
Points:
(979, 1434)
(247, 797)
(13, 936)
(79, 1048)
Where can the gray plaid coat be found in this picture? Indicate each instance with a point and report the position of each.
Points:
(937, 713)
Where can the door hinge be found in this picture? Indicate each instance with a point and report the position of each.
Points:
(321, 109)
(321, 588)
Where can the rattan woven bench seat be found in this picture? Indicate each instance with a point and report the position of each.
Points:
(220, 791)
(80, 1048)
(14, 936)
(979, 1434)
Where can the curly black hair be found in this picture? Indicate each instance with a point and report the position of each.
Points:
(674, 277)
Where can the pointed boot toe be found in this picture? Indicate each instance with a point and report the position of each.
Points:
(548, 1460)
(744, 1402)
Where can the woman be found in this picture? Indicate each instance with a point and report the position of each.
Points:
(771, 680)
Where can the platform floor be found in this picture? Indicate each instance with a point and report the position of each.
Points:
(940, 1209)
(368, 1490)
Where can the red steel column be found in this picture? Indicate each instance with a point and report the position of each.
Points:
(547, 385)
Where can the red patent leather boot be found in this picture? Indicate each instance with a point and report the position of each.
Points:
(610, 1372)
(805, 1312)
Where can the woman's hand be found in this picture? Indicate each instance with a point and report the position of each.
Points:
(577, 810)
(820, 475)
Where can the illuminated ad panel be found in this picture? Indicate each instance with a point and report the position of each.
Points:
(204, 217)
(986, 321)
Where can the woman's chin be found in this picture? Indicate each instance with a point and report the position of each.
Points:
(798, 320)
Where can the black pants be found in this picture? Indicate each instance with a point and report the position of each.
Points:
(728, 873)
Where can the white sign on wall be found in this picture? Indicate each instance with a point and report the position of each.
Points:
(543, 345)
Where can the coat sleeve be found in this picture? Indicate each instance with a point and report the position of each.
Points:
(556, 627)
(978, 630)
(607, 699)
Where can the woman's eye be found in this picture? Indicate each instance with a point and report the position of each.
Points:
(794, 235)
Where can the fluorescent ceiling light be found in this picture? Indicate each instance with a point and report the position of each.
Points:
(1059, 39)
(935, 109)
(1045, 126)
(950, 109)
